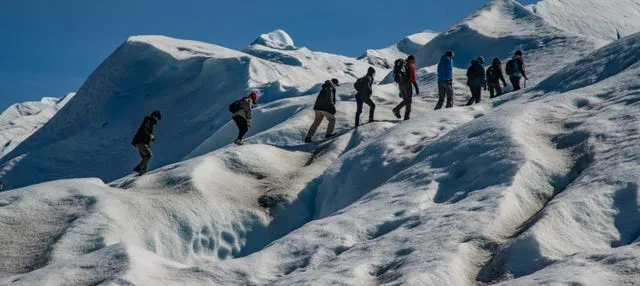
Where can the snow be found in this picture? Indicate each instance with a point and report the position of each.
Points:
(277, 39)
(190, 82)
(536, 187)
(593, 18)
(384, 58)
(21, 120)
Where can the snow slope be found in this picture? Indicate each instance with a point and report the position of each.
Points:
(191, 83)
(21, 120)
(409, 45)
(536, 187)
(598, 19)
(499, 29)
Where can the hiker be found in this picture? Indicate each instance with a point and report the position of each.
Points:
(325, 107)
(406, 77)
(445, 80)
(515, 70)
(476, 80)
(242, 110)
(143, 139)
(494, 76)
(364, 90)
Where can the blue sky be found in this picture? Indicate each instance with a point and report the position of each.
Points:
(49, 47)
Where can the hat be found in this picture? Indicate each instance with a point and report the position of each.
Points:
(254, 96)
(371, 70)
(480, 60)
(335, 82)
(518, 53)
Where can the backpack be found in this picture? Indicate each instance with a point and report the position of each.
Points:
(511, 67)
(359, 85)
(236, 105)
(399, 71)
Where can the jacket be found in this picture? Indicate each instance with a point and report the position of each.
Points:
(445, 69)
(368, 87)
(519, 70)
(495, 75)
(411, 69)
(326, 100)
(145, 131)
(246, 111)
(476, 75)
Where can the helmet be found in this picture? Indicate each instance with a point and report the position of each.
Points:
(156, 114)
(335, 82)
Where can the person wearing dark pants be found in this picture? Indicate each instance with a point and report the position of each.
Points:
(364, 88)
(476, 80)
(242, 117)
(143, 138)
(445, 80)
(494, 76)
(406, 90)
(516, 70)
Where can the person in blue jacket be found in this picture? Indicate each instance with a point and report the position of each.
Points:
(476, 80)
(445, 80)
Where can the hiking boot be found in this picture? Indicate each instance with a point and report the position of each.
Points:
(238, 142)
(307, 140)
(397, 113)
(329, 135)
(371, 120)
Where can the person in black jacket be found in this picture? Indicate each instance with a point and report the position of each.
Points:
(364, 95)
(143, 139)
(476, 80)
(494, 76)
(325, 107)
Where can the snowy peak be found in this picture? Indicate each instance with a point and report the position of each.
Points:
(500, 28)
(593, 18)
(409, 45)
(21, 120)
(499, 18)
(277, 39)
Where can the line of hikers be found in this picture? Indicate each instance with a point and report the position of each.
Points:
(404, 74)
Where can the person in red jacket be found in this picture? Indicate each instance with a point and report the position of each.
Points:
(406, 90)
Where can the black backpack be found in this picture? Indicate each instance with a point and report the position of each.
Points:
(511, 67)
(236, 105)
(399, 71)
(359, 85)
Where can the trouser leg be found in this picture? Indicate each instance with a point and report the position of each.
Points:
(242, 126)
(359, 103)
(372, 108)
(449, 92)
(316, 122)
(515, 81)
(332, 122)
(145, 154)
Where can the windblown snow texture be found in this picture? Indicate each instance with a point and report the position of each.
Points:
(537, 187)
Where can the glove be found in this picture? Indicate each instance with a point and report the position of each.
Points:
(417, 90)
(153, 138)
(505, 84)
(485, 87)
